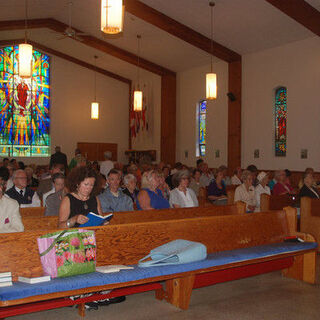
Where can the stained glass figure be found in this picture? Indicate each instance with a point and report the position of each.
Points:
(202, 127)
(281, 122)
(24, 106)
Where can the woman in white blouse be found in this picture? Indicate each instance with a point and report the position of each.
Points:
(245, 192)
(182, 196)
(262, 187)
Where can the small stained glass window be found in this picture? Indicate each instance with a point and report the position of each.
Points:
(202, 114)
(281, 122)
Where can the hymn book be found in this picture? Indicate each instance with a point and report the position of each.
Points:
(34, 280)
(95, 220)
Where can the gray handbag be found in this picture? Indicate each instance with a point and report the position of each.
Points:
(175, 252)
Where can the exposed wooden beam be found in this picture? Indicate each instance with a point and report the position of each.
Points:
(234, 115)
(301, 11)
(168, 119)
(179, 30)
(90, 41)
(69, 58)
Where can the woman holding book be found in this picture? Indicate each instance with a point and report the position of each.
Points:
(81, 199)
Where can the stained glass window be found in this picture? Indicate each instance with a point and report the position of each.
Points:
(202, 114)
(281, 122)
(24, 106)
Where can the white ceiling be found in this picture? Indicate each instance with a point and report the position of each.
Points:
(244, 26)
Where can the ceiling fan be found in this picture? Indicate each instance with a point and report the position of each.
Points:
(70, 32)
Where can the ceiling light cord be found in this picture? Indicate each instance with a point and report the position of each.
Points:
(95, 78)
(212, 4)
(26, 21)
(138, 70)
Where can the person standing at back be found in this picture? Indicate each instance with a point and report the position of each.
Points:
(58, 157)
(107, 164)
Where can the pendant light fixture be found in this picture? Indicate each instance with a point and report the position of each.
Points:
(211, 78)
(95, 104)
(112, 13)
(137, 94)
(25, 51)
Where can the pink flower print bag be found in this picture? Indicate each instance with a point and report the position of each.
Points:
(68, 252)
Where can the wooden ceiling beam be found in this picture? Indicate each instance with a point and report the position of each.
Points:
(90, 41)
(301, 11)
(179, 30)
(68, 58)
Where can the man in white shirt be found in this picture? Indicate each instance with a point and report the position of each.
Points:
(25, 196)
(10, 220)
(262, 187)
(107, 165)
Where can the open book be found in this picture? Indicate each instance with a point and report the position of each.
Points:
(96, 220)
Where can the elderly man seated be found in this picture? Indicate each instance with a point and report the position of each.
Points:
(10, 220)
(25, 196)
(113, 199)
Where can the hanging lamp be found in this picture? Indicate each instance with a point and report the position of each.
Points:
(211, 78)
(95, 104)
(25, 51)
(137, 94)
(112, 13)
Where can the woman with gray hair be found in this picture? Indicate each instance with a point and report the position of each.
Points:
(182, 196)
(130, 183)
(245, 192)
(150, 197)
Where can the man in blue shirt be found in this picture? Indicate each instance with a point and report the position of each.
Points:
(113, 199)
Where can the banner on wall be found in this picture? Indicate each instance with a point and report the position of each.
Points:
(141, 121)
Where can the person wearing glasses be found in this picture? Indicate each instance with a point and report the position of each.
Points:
(182, 196)
(10, 219)
(25, 196)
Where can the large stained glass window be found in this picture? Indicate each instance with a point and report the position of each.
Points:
(24, 106)
(202, 114)
(281, 122)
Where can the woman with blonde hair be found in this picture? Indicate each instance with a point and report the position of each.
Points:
(246, 192)
(150, 197)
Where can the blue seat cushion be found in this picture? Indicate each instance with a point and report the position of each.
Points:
(21, 290)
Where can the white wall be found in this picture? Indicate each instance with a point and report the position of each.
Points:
(297, 67)
(190, 90)
(72, 91)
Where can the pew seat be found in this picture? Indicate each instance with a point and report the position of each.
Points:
(237, 247)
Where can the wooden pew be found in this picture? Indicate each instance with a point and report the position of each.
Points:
(271, 202)
(128, 243)
(310, 216)
(46, 223)
(230, 193)
(32, 212)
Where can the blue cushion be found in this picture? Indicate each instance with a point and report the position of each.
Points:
(22, 290)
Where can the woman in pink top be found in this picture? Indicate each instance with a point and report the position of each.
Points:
(281, 187)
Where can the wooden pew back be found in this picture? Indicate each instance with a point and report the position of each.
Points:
(271, 202)
(46, 223)
(230, 193)
(32, 212)
(127, 243)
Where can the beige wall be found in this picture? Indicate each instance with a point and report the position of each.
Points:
(150, 139)
(72, 91)
(296, 66)
(190, 90)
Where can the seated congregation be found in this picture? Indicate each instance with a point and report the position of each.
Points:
(162, 200)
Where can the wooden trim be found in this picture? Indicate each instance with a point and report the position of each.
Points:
(179, 30)
(68, 58)
(168, 119)
(88, 40)
(301, 11)
(234, 115)
(130, 106)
